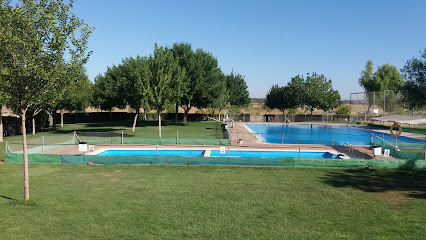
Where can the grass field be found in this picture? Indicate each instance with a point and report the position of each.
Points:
(144, 129)
(192, 202)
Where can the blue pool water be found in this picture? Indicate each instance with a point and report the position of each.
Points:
(186, 153)
(216, 153)
(271, 154)
(319, 134)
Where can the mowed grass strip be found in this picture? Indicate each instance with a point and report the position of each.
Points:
(213, 202)
(144, 129)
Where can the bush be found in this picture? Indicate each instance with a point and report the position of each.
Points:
(292, 111)
(343, 110)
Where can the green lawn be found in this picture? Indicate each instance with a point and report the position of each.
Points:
(144, 129)
(193, 202)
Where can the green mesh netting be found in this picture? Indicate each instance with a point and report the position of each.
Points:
(32, 158)
(225, 161)
(410, 151)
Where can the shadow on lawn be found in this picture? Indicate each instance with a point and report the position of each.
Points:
(413, 182)
(8, 198)
(115, 126)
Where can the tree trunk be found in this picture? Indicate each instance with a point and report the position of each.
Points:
(53, 120)
(1, 127)
(185, 114)
(62, 118)
(24, 142)
(144, 114)
(159, 126)
(177, 114)
(219, 113)
(34, 130)
(135, 120)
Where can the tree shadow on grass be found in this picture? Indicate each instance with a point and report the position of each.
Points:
(8, 198)
(412, 183)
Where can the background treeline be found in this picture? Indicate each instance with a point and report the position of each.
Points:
(176, 76)
(315, 91)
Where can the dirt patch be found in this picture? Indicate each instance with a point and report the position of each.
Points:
(109, 174)
(395, 198)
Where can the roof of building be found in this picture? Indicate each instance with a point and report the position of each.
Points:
(401, 119)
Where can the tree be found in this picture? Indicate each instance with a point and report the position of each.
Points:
(3, 99)
(37, 37)
(216, 96)
(344, 110)
(166, 75)
(202, 81)
(135, 83)
(187, 61)
(319, 93)
(414, 73)
(236, 89)
(108, 90)
(386, 77)
(78, 95)
(277, 97)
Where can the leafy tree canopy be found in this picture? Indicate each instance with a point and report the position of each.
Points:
(319, 93)
(386, 77)
(344, 110)
(237, 90)
(414, 73)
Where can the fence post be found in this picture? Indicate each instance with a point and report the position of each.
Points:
(177, 137)
(228, 151)
(42, 143)
(350, 107)
(374, 104)
(122, 137)
(299, 152)
(425, 148)
(384, 103)
(396, 143)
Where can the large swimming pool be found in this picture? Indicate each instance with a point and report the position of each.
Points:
(319, 134)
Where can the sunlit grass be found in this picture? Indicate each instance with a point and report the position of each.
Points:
(193, 202)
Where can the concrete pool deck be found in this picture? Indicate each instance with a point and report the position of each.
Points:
(354, 152)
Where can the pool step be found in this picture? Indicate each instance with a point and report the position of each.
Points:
(207, 153)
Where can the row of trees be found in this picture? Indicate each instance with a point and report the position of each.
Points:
(176, 76)
(411, 80)
(315, 92)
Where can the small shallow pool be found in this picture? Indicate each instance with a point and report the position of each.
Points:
(217, 153)
(185, 153)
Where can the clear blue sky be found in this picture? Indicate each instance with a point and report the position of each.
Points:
(268, 42)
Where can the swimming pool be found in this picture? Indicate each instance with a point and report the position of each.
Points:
(319, 134)
(186, 153)
(217, 153)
